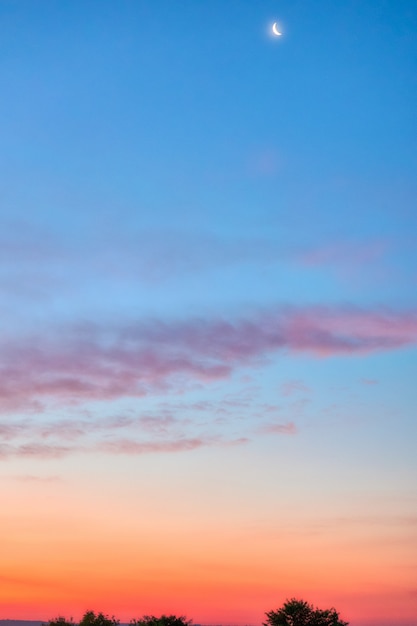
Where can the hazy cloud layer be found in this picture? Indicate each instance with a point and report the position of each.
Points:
(37, 263)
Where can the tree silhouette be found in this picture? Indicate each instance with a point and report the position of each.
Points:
(164, 620)
(296, 612)
(89, 619)
(92, 619)
(59, 621)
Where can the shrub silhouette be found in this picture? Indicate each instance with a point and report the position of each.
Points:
(59, 621)
(296, 612)
(92, 619)
(293, 612)
(89, 619)
(164, 620)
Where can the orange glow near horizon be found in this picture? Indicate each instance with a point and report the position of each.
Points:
(210, 570)
(135, 535)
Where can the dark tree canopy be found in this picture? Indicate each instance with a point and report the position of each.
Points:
(300, 613)
(164, 620)
(98, 619)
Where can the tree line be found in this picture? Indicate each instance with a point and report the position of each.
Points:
(293, 612)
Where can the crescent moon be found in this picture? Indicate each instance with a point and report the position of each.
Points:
(275, 30)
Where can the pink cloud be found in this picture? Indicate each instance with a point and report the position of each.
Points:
(11, 431)
(34, 450)
(103, 363)
(142, 434)
(127, 446)
(345, 253)
(279, 429)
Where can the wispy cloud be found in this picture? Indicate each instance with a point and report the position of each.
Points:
(31, 268)
(231, 420)
(118, 446)
(35, 263)
(127, 446)
(95, 362)
(34, 450)
(278, 429)
(74, 366)
(344, 253)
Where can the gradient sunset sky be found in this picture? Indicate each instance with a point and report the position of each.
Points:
(208, 289)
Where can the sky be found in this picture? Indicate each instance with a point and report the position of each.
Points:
(208, 292)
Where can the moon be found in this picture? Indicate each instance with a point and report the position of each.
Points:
(275, 30)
